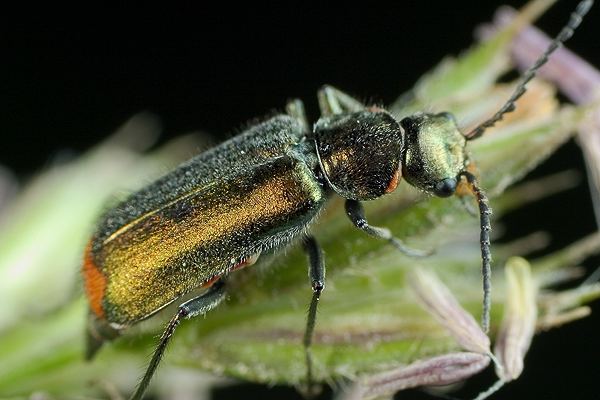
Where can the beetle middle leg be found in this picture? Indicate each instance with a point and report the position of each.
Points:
(197, 306)
(316, 273)
(356, 213)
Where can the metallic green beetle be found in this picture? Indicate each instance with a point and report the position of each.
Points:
(260, 192)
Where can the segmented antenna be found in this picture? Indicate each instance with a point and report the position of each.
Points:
(486, 255)
(575, 19)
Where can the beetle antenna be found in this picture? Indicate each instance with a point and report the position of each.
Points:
(567, 31)
(486, 256)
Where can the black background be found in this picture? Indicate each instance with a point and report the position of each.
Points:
(69, 79)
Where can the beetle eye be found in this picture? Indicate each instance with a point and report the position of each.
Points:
(445, 187)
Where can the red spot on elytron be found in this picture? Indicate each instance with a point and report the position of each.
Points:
(393, 182)
(94, 281)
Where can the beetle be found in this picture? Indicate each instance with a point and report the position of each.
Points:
(260, 192)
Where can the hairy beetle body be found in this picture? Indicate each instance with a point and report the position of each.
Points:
(247, 196)
(259, 191)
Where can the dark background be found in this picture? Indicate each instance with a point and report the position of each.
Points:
(69, 80)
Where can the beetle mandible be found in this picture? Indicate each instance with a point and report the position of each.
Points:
(259, 192)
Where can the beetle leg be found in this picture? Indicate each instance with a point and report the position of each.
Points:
(356, 213)
(295, 108)
(334, 101)
(197, 306)
(316, 273)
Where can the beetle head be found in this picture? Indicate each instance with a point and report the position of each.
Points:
(434, 153)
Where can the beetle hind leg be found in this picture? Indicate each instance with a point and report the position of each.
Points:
(316, 273)
(197, 306)
(356, 213)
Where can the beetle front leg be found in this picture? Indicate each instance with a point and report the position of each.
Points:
(197, 306)
(334, 101)
(316, 273)
(356, 213)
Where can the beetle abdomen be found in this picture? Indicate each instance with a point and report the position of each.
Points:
(153, 260)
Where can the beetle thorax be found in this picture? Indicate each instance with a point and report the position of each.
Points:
(359, 153)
